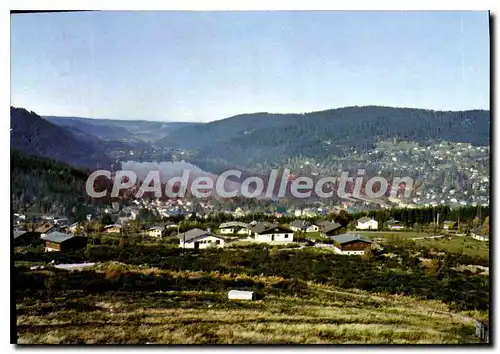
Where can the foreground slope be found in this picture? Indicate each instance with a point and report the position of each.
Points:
(308, 313)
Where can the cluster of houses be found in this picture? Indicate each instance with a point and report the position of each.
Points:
(343, 243)
(56, 237)
(59, 236)
(256, 231)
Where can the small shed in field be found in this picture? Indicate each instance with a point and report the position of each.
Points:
(241, 295)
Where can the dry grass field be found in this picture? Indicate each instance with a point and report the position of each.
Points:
(321, 314)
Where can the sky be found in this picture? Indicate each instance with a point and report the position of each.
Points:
(205, 66)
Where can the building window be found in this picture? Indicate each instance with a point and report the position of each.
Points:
(217, 242)
(286, 236)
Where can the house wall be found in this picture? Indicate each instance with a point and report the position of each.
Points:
(369, 225)
(155, 233)
(479, 238)
(355, 246)
(230, 231)
(348, 252)
(278, 237)
(312, 228)
(203, 243)
(52, 247)
(112, 230)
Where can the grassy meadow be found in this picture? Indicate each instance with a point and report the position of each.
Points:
(314, 314)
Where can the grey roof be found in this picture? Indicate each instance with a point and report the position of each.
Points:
(18, 233)
(302, 224)
(45, 227)
(112, 225)
(58, 237)
(232, 224)
(193, 234)
(476, 230)
(322, 222)
(364, 219)
(349, 237)
(156, 228)
(330, 227)
(265, 226)
(392, 221)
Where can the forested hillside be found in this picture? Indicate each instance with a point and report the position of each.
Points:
(45, 186)
(33, 135)
(272, 138)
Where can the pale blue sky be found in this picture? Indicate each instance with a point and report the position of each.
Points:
(203, 66)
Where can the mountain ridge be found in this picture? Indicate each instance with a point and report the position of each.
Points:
(35, 136)
(268, 138)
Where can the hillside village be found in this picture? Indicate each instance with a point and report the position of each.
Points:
(201, 231)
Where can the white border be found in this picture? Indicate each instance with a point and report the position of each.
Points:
(196, 5)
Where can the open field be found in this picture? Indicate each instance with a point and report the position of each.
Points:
(458, 244)
(453, 244)
(311, 313)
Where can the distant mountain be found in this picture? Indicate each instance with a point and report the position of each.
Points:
(120, 130)
(264, 138)
(36, 136)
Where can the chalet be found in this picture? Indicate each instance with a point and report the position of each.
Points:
(394, 225)
(59, 241)
(312, 228)
(234, 227)
(329, 228)
(299, 225)
(113, 228)
(350, 244)
(366, 223)
(450, 225)
(156, 231)
(46, 228)
(268, 232)
(199, 239)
